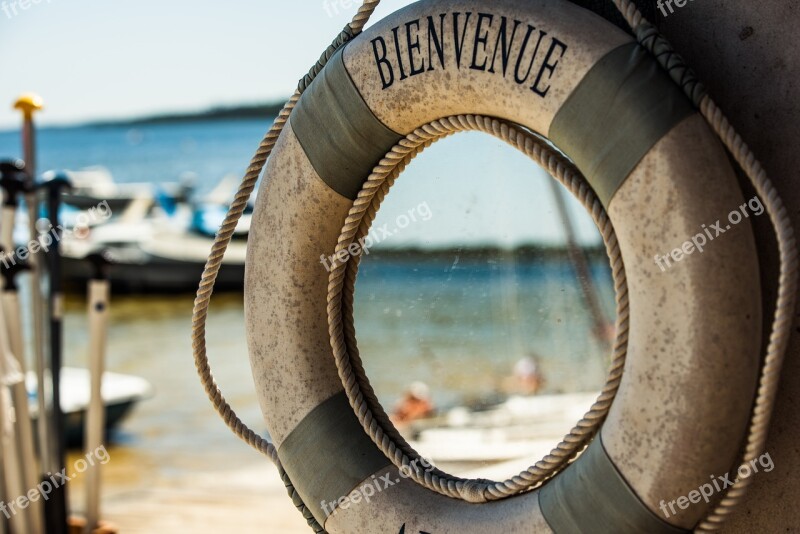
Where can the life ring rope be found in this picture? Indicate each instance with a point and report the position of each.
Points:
(223, 239)
(783, 316)
(340, 310)
(648, 37)
(786, 301)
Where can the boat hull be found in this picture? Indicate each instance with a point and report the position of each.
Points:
(155, 275)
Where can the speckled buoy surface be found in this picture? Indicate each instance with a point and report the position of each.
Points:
(682, 410)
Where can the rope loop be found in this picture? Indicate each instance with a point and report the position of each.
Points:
(341, 285)
(223, 238)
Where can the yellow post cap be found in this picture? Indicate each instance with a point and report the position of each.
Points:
(29, 103)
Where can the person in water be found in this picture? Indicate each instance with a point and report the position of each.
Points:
(415, 404)
(527, 378)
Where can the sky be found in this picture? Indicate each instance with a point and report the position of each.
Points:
(98, 59)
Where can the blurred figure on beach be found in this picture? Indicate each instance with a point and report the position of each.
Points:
(526, 379)
(415, 404)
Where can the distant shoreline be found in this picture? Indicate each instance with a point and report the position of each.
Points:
(219, 113)
(265, 111)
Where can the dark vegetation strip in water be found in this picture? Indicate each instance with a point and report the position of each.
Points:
(220, 113)
(264, 111)
(527, 253)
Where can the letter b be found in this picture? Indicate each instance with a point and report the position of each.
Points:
(386, 77)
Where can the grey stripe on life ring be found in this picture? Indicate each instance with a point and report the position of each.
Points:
(338, 132)
(618, 112)
(591, 496)
(328, 454)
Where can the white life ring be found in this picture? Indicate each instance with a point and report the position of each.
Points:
(682, 410)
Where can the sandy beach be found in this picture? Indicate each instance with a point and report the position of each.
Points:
(247, 499)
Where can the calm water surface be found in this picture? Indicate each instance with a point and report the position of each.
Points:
(456, 322)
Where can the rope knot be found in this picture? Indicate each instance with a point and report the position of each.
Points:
(655, 43)
(343, 38)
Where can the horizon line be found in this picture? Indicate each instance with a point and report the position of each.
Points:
(214, 112)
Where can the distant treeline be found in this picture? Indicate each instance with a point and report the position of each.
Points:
(253, 111)
(524, 253)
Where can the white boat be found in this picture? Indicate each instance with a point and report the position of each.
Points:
(520, 430)
(120, 394)
(93, 185)
(152, 251)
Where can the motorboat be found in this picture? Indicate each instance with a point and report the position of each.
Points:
(121, 393)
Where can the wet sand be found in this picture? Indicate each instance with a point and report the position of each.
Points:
(248, 499)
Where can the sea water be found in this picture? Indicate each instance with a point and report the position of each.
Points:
(427, 307)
